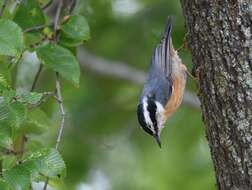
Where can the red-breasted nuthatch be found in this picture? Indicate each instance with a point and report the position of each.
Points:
(163, 91)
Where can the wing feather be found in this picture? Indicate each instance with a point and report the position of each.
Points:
(159, 82)
(161, 57)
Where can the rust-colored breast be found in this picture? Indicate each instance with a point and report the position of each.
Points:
(176, 97)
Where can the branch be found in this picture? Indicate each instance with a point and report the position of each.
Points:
(62, 111)
(3, 7)
(58, 88)
(56, 19)
(37, 27)
(72, 6)
(123, 71)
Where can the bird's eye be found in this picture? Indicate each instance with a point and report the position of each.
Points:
(152, 110)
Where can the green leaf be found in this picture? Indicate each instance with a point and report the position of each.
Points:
(76, 28)
(37, 122)
(29, 14)
(3, 110)
(11, 38)
(3, 185)
(5, 136)
(8, 95)
(3, 83)
(53, 164)
(69, 42)
(32, 98)
(17, 114)
(48, 162)
(12, 114)
(60, 60)
(7, 11)
(9, 161)
(35, 143)
(18, 177)
(33, 166)
(29, 169)
(5, 72)
(31, 39)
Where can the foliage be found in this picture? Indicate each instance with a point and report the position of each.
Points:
(11, 38)
(60, 60)
(21, 115)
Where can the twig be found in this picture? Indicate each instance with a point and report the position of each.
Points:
(184, 43)
(3, 7)
(36, 77)
(56, 19)
(192, 77)
(62, 123)
(58, 88)
(46, 183)
(72, 6)
(15, 4)
(38, 43)
(62, 111)
(47, 5)
(16, 61)
(10, 152)
(34, 28)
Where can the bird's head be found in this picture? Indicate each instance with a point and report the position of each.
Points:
(150, 117)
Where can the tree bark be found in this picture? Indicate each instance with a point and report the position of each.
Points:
(219, 37)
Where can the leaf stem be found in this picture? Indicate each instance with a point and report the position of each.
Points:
(37, 27)
(3, 7)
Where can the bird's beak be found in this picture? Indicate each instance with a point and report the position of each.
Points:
(157, 137)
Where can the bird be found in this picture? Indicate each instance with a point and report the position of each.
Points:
(163, 90)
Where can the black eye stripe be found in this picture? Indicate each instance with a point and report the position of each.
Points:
(147, 129)
(152, 109)
(140, 115)
(141, 119)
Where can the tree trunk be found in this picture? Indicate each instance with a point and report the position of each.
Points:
(219, 36)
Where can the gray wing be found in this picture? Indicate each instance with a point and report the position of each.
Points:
(159, 83)
(161, 59)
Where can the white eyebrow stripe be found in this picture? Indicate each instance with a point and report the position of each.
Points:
(147, 114)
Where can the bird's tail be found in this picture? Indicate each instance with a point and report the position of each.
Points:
(161, 58)
(168, 27)
(167, 43)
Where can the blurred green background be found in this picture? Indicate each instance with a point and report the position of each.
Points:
(103, 145)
